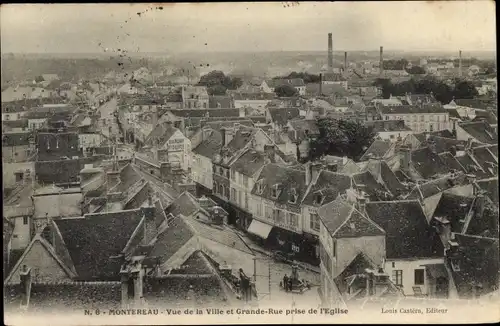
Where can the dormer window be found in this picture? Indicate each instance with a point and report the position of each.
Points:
(260, 187)
(274, 192)
(293, 197)
(318, 198)
(455, 265)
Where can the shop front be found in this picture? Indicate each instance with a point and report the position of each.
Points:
(299, 246)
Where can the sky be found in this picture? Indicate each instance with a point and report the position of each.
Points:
(248, 27)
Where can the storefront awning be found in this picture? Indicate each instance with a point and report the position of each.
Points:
(260, 229)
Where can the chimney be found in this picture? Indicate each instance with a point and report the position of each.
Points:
(149, 221)
(460, 63)
(362, 203)
(308, 173)
(405, 158)
(315, 170)
(320, 84)
(223, 136)
(381, 60)
(330, 53)
(228, 135)
(469, 143)
(345, 63)
(480, 203)
(25, 276)
(113, 177)
(270, 152)
(206, 132)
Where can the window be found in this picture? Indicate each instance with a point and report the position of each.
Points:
(419, 277)
(318, 198)
(397, 277)
(233, 175)
(293, 197)
(278, 216)
(391, 136)
(314, 223)
(204, 105)
(431, 127)
(293, 220)
(25, 220)
(274, 192)
(334, 248)
(233, 194)
(7, 117)
(422, 118)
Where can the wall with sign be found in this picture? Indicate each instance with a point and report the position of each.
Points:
(179, 150)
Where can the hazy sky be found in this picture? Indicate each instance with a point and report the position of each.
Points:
(80, 28)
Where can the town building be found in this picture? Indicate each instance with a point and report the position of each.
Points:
(195, 97)
(418, 117)
(297, 83)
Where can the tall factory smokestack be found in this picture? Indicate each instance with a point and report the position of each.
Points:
(330, 53)
(381, 60)
(460, 63)
(345, 63)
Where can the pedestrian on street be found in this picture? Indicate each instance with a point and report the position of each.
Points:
(285, 282)
(290, 284)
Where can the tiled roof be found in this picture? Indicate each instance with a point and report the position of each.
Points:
(471, 103)
(433, 187)
(209, 147)
(171, 239)
(481, 131)
(453, 113)
(407, 233)
(451, 162)
(478, 264)
(220, 101)
(218, 124)
(62, 171)
(295, 82)
(387, 125)
(68, 296)
(427, 163)
(161, 133)
(313, 89)
(357, 266)
(253, 96)
(224, 112)
(413, 109)
(22, 123)
(128, 177)
(444, 144)
(343, 220)
(241, 139)
(483, 223)
(281, 116)
(382, 172)
(328, 186)
(92, 240)
(366, 182)
(16, 139)
(484, 157)
(186, 204)
(302, 128)
(286, 179)
(249, 163)
(377, 149)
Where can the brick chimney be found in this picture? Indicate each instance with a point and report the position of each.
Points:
(270, 152)
(345, 63)
(320, 84)
(381, 60)
(330, 53)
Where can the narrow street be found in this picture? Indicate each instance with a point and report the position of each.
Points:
(161, 187)
(108, 118)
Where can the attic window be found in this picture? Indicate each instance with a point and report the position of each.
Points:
(260, 187)
(318, 198)
(293, 197)
(455, 265)
(274, 192)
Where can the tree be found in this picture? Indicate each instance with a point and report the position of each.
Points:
(465, 89)
(416, 70)
(39, 79)
(216, 80)
(285, 91)
(340, 138)
(306, 77)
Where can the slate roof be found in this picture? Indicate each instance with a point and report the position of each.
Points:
(218, 124)
(357, 266)
(471, 103)
(478, 262)
(20, 105)
(210, 146)
(472, 167)
(249, 163)
(16, 139)
(128, 177)
(342, 220)
(241, 138)
(53, 146)
(92, 240)
(454, 113)
(491, 187)
(484, 157)
(61, 171)
(487, 116)
(443, 144)
(407, 233)
(387, 125)
(377, 149)
(328, 186)
(220, 101)
(186, 204)
(481, 131)
(433, 187)
(281, 116)
(453, 208)
(286, 178)
(21, 123)
(382, 172)
(427, 163)
(413, 109)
